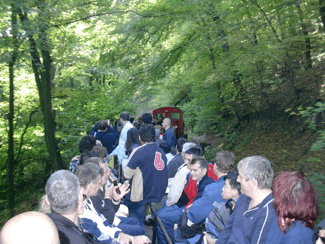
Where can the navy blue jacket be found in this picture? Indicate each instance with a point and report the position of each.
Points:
(108, 139)
(201, 208)
(170, 137)
(248, 226)
(297, 234)
(148, 174)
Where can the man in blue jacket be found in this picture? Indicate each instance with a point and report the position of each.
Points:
(170, 215)
(222, 165)
(169, 135)
(254, 212)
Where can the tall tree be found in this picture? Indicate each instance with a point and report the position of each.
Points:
(11, 153)
(41, 64)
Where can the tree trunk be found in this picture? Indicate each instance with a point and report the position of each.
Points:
(11, 146)
(42, 73)
(307, 38)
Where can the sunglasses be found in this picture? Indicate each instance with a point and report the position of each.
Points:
(318, 236)
(84, 197)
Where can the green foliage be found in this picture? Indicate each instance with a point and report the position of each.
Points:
(318, 180)
(315, 118)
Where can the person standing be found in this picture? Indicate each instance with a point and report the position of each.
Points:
(120, 149)
(147, 172)
(169, 135)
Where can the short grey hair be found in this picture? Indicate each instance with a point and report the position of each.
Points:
(258, 168)
(88, 173)
(188, 145)
(62, 190)
(225, 161)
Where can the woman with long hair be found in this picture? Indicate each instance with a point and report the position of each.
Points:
(132, 142)
(296, 207)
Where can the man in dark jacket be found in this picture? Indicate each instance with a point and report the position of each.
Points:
(107, 138)
(64, 197)
(147, 172)
(254, 212)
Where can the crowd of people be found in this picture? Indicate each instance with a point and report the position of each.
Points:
(196, 201)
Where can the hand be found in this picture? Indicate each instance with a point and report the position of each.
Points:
(125, 238)
(109, 191)
(142, 240)
(209, 239)
(76, 158)
(124, 189)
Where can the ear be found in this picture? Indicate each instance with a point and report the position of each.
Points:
(206, 171)
(47, 200)
(140, 139)
(254, 182)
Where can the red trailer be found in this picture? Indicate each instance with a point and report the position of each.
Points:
(175, 114)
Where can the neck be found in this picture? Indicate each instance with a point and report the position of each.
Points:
(219, 174)
(73, 217)
(258, 196)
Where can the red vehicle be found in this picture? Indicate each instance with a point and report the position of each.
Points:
(175, 114)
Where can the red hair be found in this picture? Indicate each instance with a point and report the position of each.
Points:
(294, 199)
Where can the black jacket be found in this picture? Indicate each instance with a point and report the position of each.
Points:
(69, 233)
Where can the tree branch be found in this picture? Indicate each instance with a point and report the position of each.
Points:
(25, 130)
(114, 12)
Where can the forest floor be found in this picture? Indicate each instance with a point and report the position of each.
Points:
(287, 147)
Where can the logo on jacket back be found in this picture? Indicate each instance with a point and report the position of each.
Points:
(159, 163)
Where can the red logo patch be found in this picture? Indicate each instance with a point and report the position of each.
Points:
(159, 163)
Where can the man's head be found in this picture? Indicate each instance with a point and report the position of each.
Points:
(231, 189)
(124, 117)
(89, 176)
(255, 172)
(146, 118)
(102, 125)
(199, 168)
(100, 151)
(87, 143)
(147, 133)
(164, 146)
(223, 162)
(102, 164)
(29, 228)
(191, 153)
(167, 123)
(179, 145)
(62, 191)
(85, 155)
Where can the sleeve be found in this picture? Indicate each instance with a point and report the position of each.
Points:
(177, 187)
(201, 207)
(132, 164)
(93, 130)
(100, 230)
(73, 165)
(105, 207)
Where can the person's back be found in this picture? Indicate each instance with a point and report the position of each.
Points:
(147, 172)
(107, 139)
